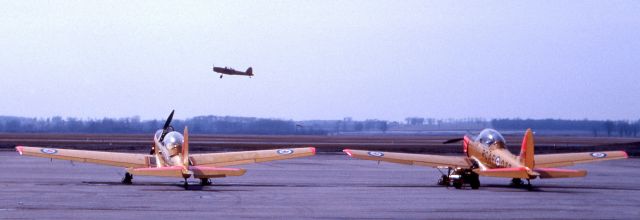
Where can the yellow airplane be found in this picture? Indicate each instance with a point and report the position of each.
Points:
(170, 158)
(487, 155)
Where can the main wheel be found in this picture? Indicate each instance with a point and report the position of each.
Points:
(127, 178)
(444, 180)
(475, 181)
(457, 184)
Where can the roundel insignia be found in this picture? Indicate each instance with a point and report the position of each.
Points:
(598, 155)
(285, 151)
(376, 153)
(48, 151)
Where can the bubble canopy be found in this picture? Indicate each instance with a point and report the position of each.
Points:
(490, 137)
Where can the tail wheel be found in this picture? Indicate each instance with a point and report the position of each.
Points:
(516, 182)
(186, 184)
(205, 181)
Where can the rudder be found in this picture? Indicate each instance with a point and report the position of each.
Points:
(526, 150)
(185, 148)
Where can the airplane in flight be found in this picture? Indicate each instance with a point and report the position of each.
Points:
(169, 157)
(487, 155)
(231, 71)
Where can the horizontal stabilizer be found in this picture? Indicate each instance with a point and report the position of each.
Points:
(519, 172)
(160, 171)
(213, 172)
(559, 173)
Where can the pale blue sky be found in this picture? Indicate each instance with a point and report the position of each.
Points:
(322, 59)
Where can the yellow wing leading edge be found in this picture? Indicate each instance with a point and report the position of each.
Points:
(411, 159)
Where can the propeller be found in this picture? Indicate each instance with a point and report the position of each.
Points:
(453, 140)
(166, 126)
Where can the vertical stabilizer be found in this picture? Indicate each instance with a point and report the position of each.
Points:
(250, 71)
(185, 148)
(526, 150)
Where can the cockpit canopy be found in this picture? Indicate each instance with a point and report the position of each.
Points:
(490, 137)
(173, 140)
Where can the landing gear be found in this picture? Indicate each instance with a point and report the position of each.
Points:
(127, 178)
(474, 181)
(221, 76)
(444, 180)
(459, 177)
(516, 182)
(205, 181)
(186, 184)
(457, 184)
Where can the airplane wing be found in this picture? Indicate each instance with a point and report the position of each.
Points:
(246, 157)
(85, 156)
(411, 159)
(569, 159)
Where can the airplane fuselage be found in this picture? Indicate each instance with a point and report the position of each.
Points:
(231, 71)
(492, 154)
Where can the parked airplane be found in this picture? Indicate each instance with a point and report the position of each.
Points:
(487, 155)
(231, 71)
(170, 158)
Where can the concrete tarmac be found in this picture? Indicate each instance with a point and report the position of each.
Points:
(326, 186)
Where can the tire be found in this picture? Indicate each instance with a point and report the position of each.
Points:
(475, 184)
(457, 184)
(475, 181)
(443, 181)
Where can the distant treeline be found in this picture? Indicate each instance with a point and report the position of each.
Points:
(263, 126)
(598, 128)
(202, 124)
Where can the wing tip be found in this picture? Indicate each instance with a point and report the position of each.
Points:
(348, 152)
(20, 149)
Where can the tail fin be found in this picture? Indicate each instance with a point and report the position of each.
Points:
(526, 150)
(185, 148)
(250, 71)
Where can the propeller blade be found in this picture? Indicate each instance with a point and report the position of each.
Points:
(168, 122)
(453, 140)
(166, 125)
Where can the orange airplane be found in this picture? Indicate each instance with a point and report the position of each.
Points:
(487, 155)
(231, 71)
(170, 158)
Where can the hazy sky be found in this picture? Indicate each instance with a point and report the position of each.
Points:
(321, 59)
